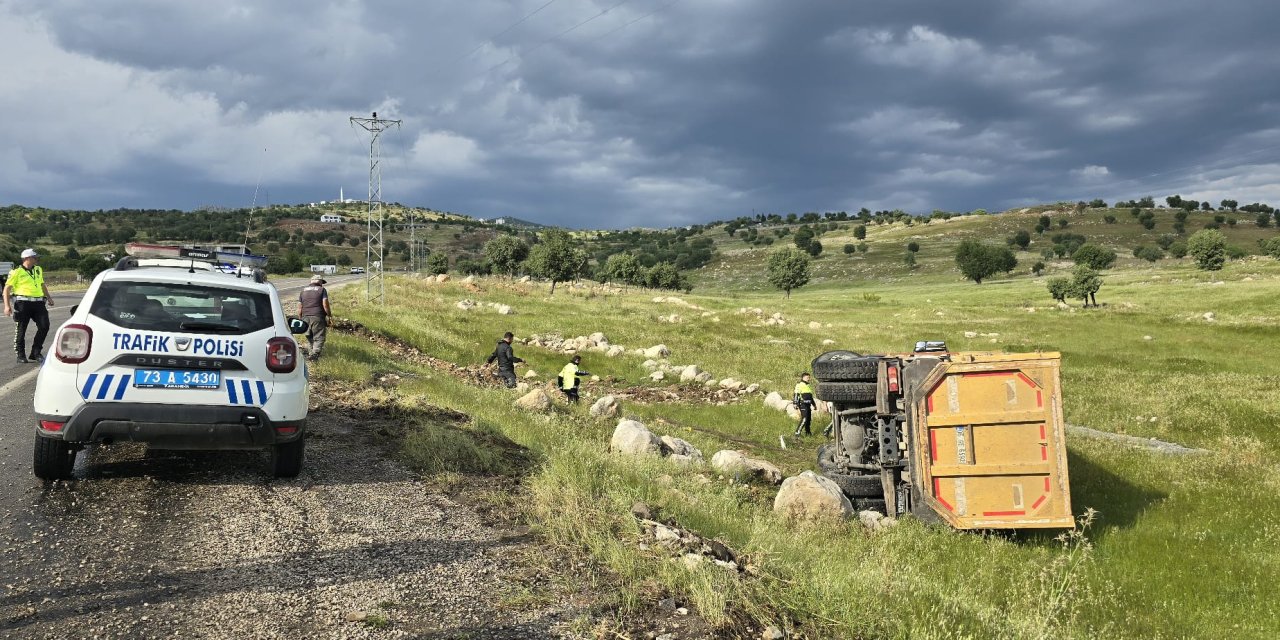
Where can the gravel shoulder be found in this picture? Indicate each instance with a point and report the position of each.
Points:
(185, 544)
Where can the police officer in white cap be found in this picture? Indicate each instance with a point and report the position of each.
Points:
(27, 299)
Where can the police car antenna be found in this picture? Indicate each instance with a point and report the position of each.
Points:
(248, 225)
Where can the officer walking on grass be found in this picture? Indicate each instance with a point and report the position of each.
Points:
(506, 360)
(315, 311)
(805, 403)
(27, 299)
(569, 378)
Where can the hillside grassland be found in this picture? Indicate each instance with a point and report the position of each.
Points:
(1180, 546)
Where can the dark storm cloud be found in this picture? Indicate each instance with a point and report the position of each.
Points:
(655, 113)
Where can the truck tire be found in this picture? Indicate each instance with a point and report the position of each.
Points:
(286, 458)
(836, 366)
(857, 486)
(54, 458)
(856, 393)
(870, 504)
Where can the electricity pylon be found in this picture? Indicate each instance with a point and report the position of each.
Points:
(375, 288)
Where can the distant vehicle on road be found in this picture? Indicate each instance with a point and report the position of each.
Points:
(174, 353)
(357, 269)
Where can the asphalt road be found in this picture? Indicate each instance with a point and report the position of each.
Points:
(144, 544)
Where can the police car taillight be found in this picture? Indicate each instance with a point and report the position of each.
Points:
(282, 355)
(73, 344)
(893, 379)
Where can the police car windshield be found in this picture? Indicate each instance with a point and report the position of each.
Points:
(181, 308)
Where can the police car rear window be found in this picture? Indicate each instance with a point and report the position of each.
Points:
(182, 308)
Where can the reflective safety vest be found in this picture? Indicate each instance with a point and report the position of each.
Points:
(569, 376)
(802, 388)
(28, 284)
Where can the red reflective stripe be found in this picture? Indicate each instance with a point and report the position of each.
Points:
(937, 493)
(1004, 513)
(929, 403)
(49, 425)
(1042, 432)
(1044, 452)
(1039, 398)
(1046, 483)
(1030, 383)
(286, 430)
(933, 445)
(1039, 502)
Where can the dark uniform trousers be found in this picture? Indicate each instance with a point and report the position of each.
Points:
(25, 312)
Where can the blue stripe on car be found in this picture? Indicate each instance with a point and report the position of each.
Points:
(248, 394)
(231, 391)
(262, 393)
(88, 386)
(106, 384)
(124, 382)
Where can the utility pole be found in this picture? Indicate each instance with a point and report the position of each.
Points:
(375, 287)
(413, 240)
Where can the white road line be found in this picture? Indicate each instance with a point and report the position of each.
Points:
(18, 381)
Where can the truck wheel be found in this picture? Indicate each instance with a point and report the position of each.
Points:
(861, 393)
(54, 458)
(834, 366)
(286, 458)
(827, 456)
(857, 486)
(870, 504)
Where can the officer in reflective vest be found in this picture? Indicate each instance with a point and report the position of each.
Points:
(27, 299)
(805, 403)
(569, 378)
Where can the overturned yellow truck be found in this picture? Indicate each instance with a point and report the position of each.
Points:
(975, 440)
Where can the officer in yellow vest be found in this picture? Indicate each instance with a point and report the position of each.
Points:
(805, 403)
(26, 298)
(569, 378)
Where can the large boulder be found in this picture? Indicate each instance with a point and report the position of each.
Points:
(633, 439)
(690, 373)
(731, 384)
(810, 496)
(775, 401)
(444, 277)
(657, 376)
(599, 338)
(536, 400)
(606, 407)
(615, 351)
(743, 468)
(657, 351)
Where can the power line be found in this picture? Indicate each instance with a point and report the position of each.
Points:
(507, 30)
(557, 36)
(624, 26)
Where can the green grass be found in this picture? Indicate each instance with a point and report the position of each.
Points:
(1180, 546)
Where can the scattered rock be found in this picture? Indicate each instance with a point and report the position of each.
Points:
(665, 535)
(703, 377)
(690, 373)
(775, 401)
(657, 351)
(633, 439)
(536, 400)
(1147, 338)
(469, 279)
(815, 325)
(615, 351)
(357, 616)
(466, 305)
(828, 342)
(773, 633)
(677, 447)
(730, 384)
(742, 468)
(657, 376)
(524, 279)
(710, 382)
(971, 334)
(606, 407)
(1209, 316)
(752, 388)
(444, 277)
(505, 310)
(530, 374)
(810, 496)
(522, 387)
(641, 511)
(875, 521)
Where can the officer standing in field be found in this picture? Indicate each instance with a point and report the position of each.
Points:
(805, 403)
(506, 360)
(27, 299)
(569, 378)
(315, 311)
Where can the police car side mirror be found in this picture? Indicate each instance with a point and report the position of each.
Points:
(298, 325)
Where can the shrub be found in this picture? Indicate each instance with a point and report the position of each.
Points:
(1209, 248)
(978, 261)
(1178, 249)
(1148, 223)
(1022, 238)
(913, 246)
(849, 248)
(1109, 219)
(1272, 247)
(860, 232)
(1059, 288)
(863, 248)
(1037, 268)
(1236, 252)
(1150, 254)
(1263, 220)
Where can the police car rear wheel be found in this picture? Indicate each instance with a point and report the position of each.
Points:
(286, 459)
(54, 458)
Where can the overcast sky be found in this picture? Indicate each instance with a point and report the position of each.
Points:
(652, 113)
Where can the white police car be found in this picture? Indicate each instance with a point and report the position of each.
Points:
(176, 354)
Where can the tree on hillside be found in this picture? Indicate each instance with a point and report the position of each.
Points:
(344, 260)
(913, 246)
(1209, 248)
(1085, 283)
(437, 263)
(978, 261)
(814, 249)
(1022, 238)
(1037, 268)
(1150, 254)
(1096, 256)
(664, 275)
(505, 253)
(849, 248)
(1097, 203)
(788, 269)
(90, 266)
(1059, 288)
(860, 232)
(1174, 201)
(621, 268)
(557, 258)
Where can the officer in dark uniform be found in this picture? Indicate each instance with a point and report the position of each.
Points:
(314, 308)
(805, 403)
(506, 360)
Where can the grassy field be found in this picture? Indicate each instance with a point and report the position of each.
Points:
(1181, 546)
